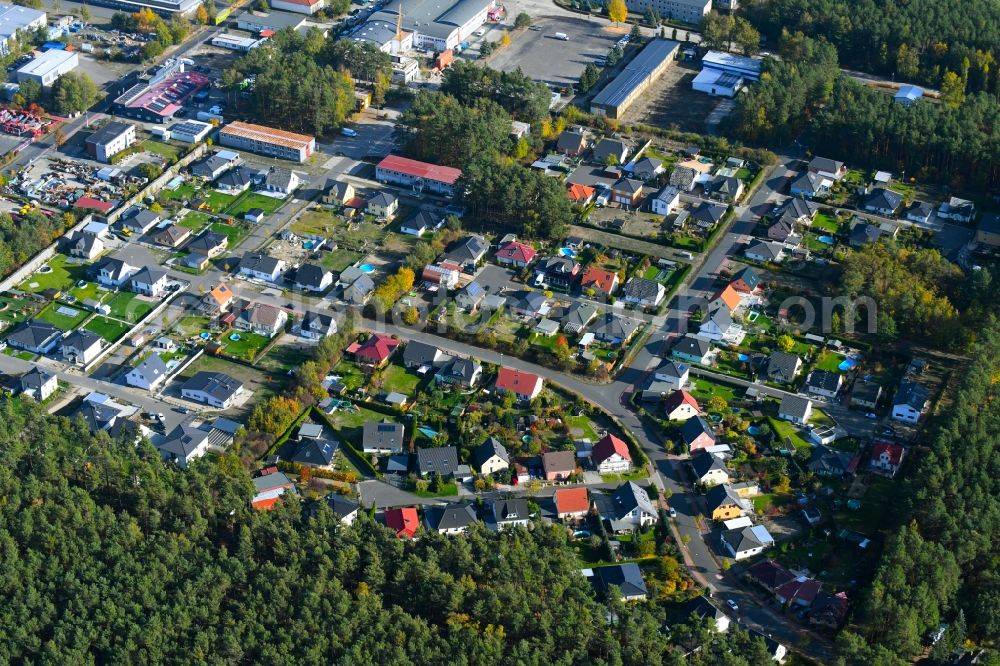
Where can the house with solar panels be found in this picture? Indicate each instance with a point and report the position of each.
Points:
(724, 74)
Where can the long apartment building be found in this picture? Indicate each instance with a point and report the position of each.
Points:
(268, 141)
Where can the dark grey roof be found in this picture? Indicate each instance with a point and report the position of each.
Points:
(382, 199)
(824, 380)
(316, 321)
(152, 367)
(81, 339)
(315, 451)
(571, 141)
(911, 394)
(531, 301)
(829, 462)
(33, 379)
(183, 440)
(464, 369)
(710, 213)
(116, 268)
(720, 315)
(692, 346)
(683, 177)
(704, 462)
(795, 209)
(636, 73)
(270, 481)
(560, 266)
(781, 366)
(989, 223)
(491, 447)
(33, 334)
(794, 405)
(236, 178)
(614, 327)
(607, 147)
(468, 249)
(646, 166)
(702, 608)
(866, 391)
(919, 208)
(453, 516)
(628, 185)
(217, 384)
(723, 184)
(764, 249)
(207, 242)
(741, 539)
(864, 233)
(694, 427)
(422, 353)
(341, 506)
(108, 133)
(722, 495)
(207, 167)
(310, 275)
(147, 275)
(641, 289)
(508, 510)
(279, 177)
(383, 435)
(258, 262)
(882, 198)
(825, 164)
(630, 496)
(438, 460)
(626, 577)
(579, 314)
(672, 368)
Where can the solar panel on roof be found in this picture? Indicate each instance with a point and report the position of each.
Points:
(386, 427)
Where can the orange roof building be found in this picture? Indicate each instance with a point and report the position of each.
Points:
(571, 502)
(581, 194)
(730, 297)
(599, 279)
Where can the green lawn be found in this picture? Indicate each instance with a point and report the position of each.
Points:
(23, 355)
(218, 201)
(350, 375)
(338, 260)
(184, 192)
(192, 325)
(285, 357)
(234, 232)
(787, 431)
(248, 347)
(61, 321)
(762, 502)
(582, 424)
(449, 489)
(109, 329)
(62, 276)
(829, 360)
(705, 389)
(880, 495)
(91, 290)
(399, 379)
(249, 200)
(16, 310)
(168, 151)
(826, 223)
(195, 220)
(128, 307)
(316, 222)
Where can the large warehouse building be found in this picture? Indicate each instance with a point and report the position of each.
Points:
(723, 74)
(434, 25)
(49, 66)
(13, 19)
(686, 11)
(268, 141)
(638, 75)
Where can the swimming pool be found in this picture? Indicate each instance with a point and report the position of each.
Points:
(204, 336)
(567, 252)
(308, 245)
(367, 268)
(743, 358)
(847, 364)
(826, 240)
(235, 337)
(430, 433)
(753, 430)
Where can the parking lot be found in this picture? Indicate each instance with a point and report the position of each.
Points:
(553, 61)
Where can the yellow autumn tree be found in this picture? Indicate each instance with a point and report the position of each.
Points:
(617, 11)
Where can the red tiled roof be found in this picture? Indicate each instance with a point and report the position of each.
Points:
(517, 252)
(599, 278)
(730, 297)
(403, 521)
(417, 169)
(522, 383)
(266, 504)
(93, 204)
(895, 452)
(571, 500)
(608, 446)
(377, 348)
(678, 398)
(577, 192)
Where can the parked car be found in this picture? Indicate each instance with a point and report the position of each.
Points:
(733, 604)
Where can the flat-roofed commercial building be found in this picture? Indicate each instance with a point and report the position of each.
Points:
(49, 66)
(431, 24)
(190, 131)
(110, 140)
(15, 19)
(165, 8)
(272, 22)
(235, 43)
(638, 75)
(268, 141)
(687, 11)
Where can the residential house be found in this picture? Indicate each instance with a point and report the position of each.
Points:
(887, 457)
(957, 210)
(692, 349)
(261, 267)
(724, 188)
(609, 151)
(780, 230)
(628, 508)
(600, 280)
(697, 434)
(444, 275)
(744, 542)
(571, 504)
(419, 223)
(830, 463)
(707, 215)
(345, 509)
(491, 457)
(313, 277)
(524, 385)
(666, 201)
(919, 212)
(263, 319)
(571, 143)
(141, 221)
(183, 444)
(464, 372)
(383, 437)
(375, 351)
(149, 374)
(471, 297)
(719, 325)
(765, 251)
(468, 253)
(611, 455)
(313, 448)
(883, 201)
(681, 406)
(518, 255)
(579, 194)
(383, 205)
(812, 185)
(988, 230)
(422, 356)
(683, 178)
(647, 168)
(37, 337)
(338, 193)
(35, 383)
(216, 389)
(910, 402)
(317, 325)
(627, 192)
(863, 233)
(217, 300)
(511, 512)
(528, 304)
(673, 373)
(625, 578)
(828, 168)
(359, 290)
(725, 504)
(81, 347)
(578, 316)
(84, 246)
(547, 327)
(644, 293)
(235, 181)
(171, 236)
(150, 282)
(745, 281)
(783, 367)
(800, 591)
(209, 244)
(403, 521)
(769, 574)
(865, 394)
(795, 408)
(829, 610)
(705, 611)
(214, 165)
(556, 273)
(451, 519)
(281, 181)
(797, 211)
(728, 297)
(824, 383)
(558, 465)
(614, 329)
(112, 272)
(709, 469)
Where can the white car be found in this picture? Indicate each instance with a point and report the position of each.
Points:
(732, 604)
